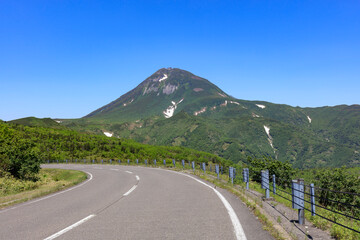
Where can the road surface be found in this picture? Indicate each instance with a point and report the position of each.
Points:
(130, 202)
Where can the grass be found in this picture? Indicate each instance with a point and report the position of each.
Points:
(13, 191)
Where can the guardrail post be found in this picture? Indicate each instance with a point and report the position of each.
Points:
(173, 162)
(128, 161)
(84, 161)
(297, 189)
(265, 182)
(183, 163)
(217, 170)
(312, 199)
(231, 174)
(193, 166)
(274, 184)
(119, 161)
(146, 162)
(246, 177)
(164, 162)
(110, 161)
(204, 167)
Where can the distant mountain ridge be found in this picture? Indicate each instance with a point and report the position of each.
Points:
(176, 107)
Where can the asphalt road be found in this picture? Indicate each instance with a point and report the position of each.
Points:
(129, 202)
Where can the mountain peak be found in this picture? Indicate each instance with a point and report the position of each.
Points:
(166, 90)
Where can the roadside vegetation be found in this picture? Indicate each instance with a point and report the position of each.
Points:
(14, 190)
(24, 148)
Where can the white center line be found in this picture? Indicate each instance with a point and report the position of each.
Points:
(131, 189)
(128, 172)
(70, 227)
(137, 178)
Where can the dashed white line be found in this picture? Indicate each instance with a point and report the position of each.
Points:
(128, 172)
(131, 189)
(137, 178)
(70, 227)
(114, 169)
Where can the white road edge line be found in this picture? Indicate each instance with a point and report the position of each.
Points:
(52, 195)
(137, 178)
(131, 189)
(128, 172)
(70, 227)
(239, 231)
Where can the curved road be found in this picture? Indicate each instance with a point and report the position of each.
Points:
(129, 202)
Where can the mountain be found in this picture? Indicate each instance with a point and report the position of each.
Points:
(165, 92)
(176, 107)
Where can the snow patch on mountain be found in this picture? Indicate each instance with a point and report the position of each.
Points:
(163, 78)
(224, 104)
(234, 102)
(255, 115)
(108, 134)
(125, 104)
(267, 130)
(169, 112)
(222, 95)
(58, 121)
(260, 106)
(201, 111)
(309, 119)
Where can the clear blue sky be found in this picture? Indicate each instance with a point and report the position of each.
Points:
(64, 59)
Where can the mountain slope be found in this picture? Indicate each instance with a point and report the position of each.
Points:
(176, 107)
(164, 92)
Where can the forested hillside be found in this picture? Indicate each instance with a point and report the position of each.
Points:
(21, 144)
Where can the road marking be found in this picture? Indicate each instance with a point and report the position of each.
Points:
(239, 231)
(131, 189)
(70, 227)
(52, 195)
(114, 169)
(128, 172)
(137, 178)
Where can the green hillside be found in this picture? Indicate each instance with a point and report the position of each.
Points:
(177, 108)
(37, 122)
(19, 143)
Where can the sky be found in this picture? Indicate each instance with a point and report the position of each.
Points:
(65, 59)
